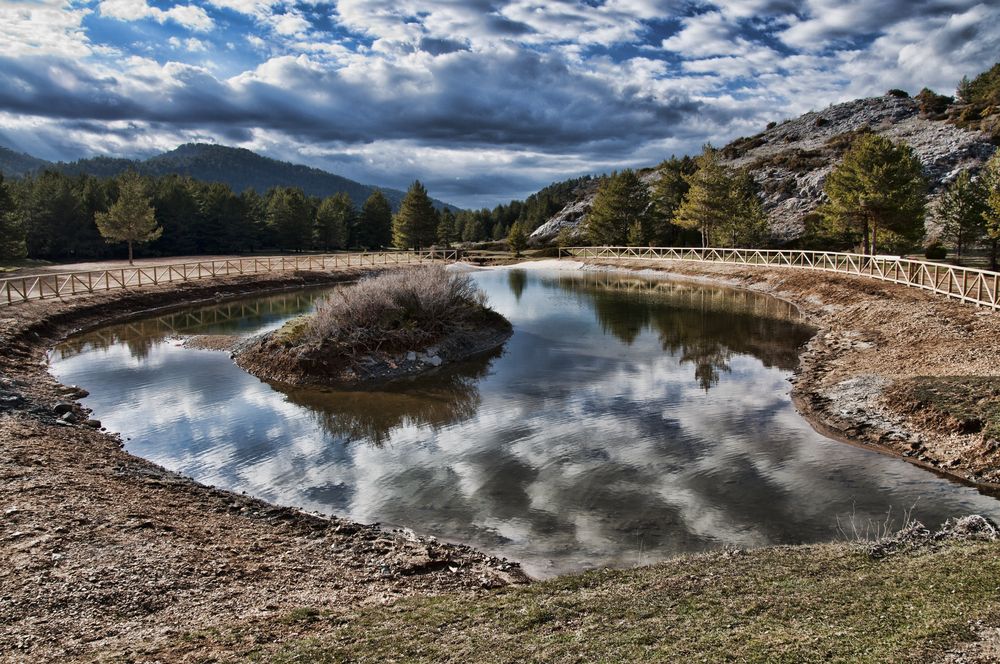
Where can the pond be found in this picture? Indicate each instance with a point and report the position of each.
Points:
(626, 421)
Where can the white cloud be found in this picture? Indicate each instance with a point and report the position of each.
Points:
(188, 16)
(708, 34)
(290, 23)
(192, 45)
(43, 28)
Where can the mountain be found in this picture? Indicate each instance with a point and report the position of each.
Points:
(16, 164)
(237, 167)
(791, 160)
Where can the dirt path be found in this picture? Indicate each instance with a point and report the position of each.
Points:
(107, 553)
(895, 368)
(112, 264)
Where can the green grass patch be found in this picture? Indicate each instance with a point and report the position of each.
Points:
(966, 404)
(293, 332)
(789, 604)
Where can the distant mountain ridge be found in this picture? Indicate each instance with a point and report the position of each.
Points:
(237, 167)
(15, 164)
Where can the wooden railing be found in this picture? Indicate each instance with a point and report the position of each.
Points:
(64, 284)
(979, 287)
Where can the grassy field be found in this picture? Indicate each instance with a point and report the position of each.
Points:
(786, 604)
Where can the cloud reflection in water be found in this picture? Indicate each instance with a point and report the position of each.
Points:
(625, 421)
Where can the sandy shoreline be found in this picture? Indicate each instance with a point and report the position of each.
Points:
(110, 554)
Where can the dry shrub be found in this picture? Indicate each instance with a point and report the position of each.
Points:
(398, 310)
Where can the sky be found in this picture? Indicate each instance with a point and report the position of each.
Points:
(482, 100)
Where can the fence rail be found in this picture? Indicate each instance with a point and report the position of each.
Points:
(45, 286)
(979, 287)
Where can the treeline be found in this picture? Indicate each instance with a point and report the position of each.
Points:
(691, 201)
(52, 216)
(485, 225)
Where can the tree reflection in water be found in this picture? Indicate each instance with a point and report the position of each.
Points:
(232, 317)
(446, 396)
(701, 325)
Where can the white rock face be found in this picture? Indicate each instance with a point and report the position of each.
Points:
(791, 192)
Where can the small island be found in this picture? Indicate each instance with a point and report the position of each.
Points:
(393, 325)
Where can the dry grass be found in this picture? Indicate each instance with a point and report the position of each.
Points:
(398, 310)
(787, 604)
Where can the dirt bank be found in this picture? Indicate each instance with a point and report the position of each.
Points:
(108, 555)
(894, 368)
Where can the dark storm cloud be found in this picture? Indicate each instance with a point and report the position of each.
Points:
(522, 99)
(442, 46)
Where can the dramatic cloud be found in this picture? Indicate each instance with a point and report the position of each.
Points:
(483, 99)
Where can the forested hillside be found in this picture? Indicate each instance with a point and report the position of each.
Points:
(15, 164)
(239, 168)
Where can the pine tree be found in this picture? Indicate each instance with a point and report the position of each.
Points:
(374, 226)
(11, 233)
(517, 238)
(334, 219)
(473, 230)
(746, 223)
(446, 229)
(620, 211)
(960, 211)
(499, 232)
(290, 218)
(991, 212)
(668, 194)
(255, 218)
(877, 187)
(706, 206)
(131, 218)
(415, 225)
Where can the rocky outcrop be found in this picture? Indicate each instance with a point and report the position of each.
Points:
(571, 216)
(791, 160)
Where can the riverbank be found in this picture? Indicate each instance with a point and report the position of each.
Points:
(112, 557)
(108, 554)
(897, 369)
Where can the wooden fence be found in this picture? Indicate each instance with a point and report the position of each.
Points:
(64, 284)
(979, 287)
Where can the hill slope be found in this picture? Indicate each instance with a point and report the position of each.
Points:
(237, 167)
(15, 164)
(791, 160)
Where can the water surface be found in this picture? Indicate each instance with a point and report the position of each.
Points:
(626, 421)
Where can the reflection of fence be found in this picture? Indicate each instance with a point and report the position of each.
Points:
(42, 286)
(183, 322)
(979, 287)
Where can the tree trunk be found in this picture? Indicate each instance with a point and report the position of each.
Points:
(865, 232)
(993, 255)
(874, 236)
(130, 252)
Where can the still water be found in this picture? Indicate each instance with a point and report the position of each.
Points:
(626, 421)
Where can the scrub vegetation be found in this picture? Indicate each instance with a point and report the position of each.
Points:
(398, 310)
